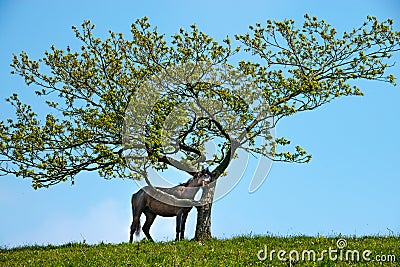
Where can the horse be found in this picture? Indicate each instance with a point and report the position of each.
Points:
(142, 202)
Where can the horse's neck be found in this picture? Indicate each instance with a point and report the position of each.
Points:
(181, 191)
(191, 191)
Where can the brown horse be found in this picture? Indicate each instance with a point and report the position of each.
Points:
(142, 202)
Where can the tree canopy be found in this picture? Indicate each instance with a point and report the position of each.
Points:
(120, 106)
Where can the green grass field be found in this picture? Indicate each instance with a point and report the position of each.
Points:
(238, 251)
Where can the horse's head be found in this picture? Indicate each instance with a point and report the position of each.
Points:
(201, 178)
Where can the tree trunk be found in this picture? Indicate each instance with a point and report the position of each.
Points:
(203, 225)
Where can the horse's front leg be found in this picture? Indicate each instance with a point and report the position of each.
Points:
(178, 224)
(183, 224)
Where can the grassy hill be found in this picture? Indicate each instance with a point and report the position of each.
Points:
(238, 251)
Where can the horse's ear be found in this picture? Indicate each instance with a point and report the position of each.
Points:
(207, 170)
(202, 168)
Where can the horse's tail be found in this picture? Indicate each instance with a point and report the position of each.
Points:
(135, 226)
(137, 230)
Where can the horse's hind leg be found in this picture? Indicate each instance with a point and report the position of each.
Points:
(150, 216)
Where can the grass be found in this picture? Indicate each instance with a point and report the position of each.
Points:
(238, 251)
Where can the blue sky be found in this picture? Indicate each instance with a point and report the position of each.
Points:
(350, 187)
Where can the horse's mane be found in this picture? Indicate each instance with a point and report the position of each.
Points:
(186, 183)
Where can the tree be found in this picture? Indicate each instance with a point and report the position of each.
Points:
(91, 125)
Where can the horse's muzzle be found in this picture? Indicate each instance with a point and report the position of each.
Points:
(205, 182)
